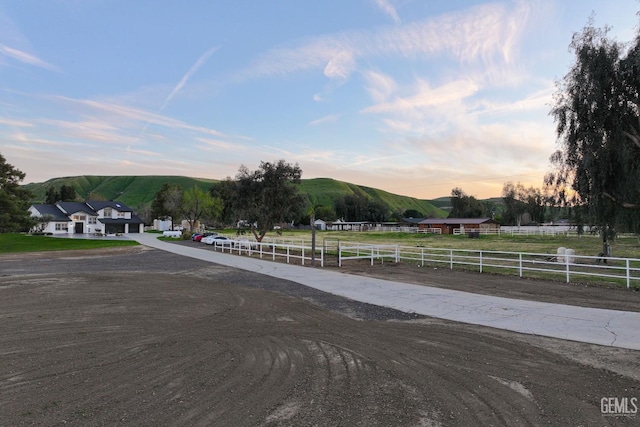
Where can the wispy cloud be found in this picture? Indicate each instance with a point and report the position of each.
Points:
(475, 34)
(388, 8)
(90, 130)
(220, 145)
(28, 140)
(26, 58)
(425, 96)
(143, 152)
(325, 119)
(136, 114)
(194, 68)
(380, 86)
(15, 123)
(366, 160)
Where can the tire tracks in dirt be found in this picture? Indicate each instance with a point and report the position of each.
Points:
(191, 344)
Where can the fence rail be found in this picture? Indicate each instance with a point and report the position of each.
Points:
(568, 267)
(272, 248)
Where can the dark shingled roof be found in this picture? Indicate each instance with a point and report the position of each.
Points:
(101, 204)
(73, 207)
(52, 211)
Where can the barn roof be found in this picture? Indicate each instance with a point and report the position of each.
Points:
(458, 221)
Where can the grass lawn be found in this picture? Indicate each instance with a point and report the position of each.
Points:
(11, 242)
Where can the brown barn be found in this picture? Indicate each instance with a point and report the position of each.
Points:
(448, 225)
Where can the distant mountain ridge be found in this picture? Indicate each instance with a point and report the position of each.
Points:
(139, 191)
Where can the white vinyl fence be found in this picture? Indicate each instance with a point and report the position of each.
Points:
(566, 266)
(275, 249)
(569, 267)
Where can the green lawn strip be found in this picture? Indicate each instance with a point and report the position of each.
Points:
(12, 243)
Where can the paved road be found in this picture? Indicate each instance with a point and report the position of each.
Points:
(589, 325)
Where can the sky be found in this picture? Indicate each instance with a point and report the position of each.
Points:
(414, 97)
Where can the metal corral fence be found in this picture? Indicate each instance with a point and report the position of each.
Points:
(287, 250)
(567, 266)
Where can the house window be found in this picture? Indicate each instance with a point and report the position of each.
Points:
(92, 220)
(61, 226)
(108, 212)
(120, 214)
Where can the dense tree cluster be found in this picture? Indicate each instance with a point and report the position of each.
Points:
(465, 206)
(193, 205)
(412, 213)
(356, 207)
(522, 205)
(66, 193)
(259, 199)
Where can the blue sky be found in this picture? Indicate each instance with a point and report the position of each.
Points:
(415, 97)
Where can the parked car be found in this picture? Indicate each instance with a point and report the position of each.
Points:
(199, 237)
(219, 241)
(208, 239)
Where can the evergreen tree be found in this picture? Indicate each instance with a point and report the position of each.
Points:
(14, 201)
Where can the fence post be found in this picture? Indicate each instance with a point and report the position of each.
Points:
(322, 256)
(372, 256)
(273, 251)
(397, 254)
(628, 274)
(287, 254)
(303, 254)
(520, 263)
(451, 259)
(480, 261)
(421, 257)
(566, 260)
(339, 256)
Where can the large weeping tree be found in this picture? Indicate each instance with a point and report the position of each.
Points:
(596, 169)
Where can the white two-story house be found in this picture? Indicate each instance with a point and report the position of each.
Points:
(90, 217)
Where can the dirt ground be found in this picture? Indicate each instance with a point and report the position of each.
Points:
(136, 336)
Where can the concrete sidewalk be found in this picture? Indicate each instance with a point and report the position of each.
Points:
(589, 325)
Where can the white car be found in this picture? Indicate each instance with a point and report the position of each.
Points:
(209, 239)
(218, 241)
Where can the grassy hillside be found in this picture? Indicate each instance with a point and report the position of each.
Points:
(134, 191)
(137, 191)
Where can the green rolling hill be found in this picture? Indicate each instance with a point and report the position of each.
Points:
(134, 191)
(138, 191)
